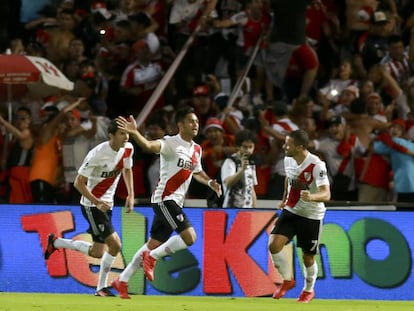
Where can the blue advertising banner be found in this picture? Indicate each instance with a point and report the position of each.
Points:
(364, 254)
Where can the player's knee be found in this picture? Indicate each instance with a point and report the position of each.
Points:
(274, 248)
(189, 239)
(114, 249)
(95, 253)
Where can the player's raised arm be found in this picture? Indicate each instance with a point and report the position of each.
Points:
(130, 126)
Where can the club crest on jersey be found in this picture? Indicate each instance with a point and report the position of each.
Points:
(307, 176)
(180, 217)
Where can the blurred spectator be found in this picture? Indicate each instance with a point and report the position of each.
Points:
(253, 21)
(338, 150)
(46, 164)
(277, 130)
(216, 147)
(373, 45)
(397, 61)
(402, 161)
(373, 170)
(286, 35)
(155, 128)
(20, 155)
(76, 143)
(184, 17)
(204, 107)
(346, 97)
(300, 73)
(140, 79)
(57, 40)
(343, 78)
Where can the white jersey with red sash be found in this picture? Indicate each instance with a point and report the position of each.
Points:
(103, 167)
(309, 175)
(179, 159)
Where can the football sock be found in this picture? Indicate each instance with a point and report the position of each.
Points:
(281, 263)
(106, 263)
(77, 245)
(172, 245)
(134, 265)
(310, 274)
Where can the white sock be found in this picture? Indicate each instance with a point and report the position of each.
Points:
(281, 263)
(77, 245)
(134, 265)
(172, 245)
(106, 264)
(310, 274)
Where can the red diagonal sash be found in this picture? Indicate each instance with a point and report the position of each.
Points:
(105, 184)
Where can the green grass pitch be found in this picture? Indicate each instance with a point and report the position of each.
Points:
(62, 302)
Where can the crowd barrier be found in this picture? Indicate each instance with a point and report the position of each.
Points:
(365, 253)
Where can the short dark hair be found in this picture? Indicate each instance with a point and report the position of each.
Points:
(182, 113)
(395, 39)
(300, 137)
(244, 135)
(157, 118)
(112, 127)
(25, 109)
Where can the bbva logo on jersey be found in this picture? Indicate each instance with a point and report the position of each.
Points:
(185, 164)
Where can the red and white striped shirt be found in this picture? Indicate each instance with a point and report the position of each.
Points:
(103, 166)
(310, 174)
(179, 160)
(399, 70)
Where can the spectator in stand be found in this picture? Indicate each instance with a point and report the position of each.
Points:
(286, 35)
(402, 160)
(388, 88)
(373, 171)
(20, 156)
(253, 22)
(216, 147)
(373, 45)
(338, 150)
(346, 97)
(184, 17)
(46, 163)
(300, 73)
(397, 60)
(204, 107)
(144, 27)
(76, 143)
(278, 131)
(58, 39)
(155, 128)
(140, 79)
(333, 89)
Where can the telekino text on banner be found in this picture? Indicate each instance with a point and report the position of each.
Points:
(368, 251)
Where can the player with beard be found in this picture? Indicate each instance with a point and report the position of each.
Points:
(180, 160)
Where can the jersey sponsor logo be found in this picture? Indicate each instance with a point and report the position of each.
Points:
(110, 174)
(298, 184)
(322, 173)
(185, 164)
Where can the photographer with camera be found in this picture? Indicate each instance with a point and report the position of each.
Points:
(238, 173)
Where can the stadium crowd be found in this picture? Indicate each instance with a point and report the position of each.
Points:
(350, 85)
